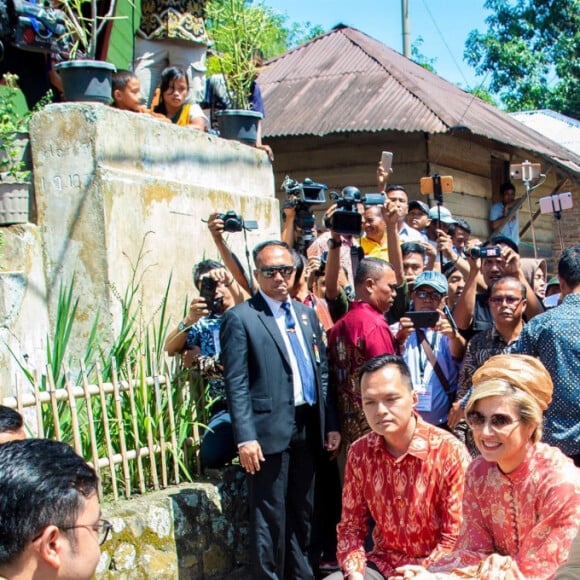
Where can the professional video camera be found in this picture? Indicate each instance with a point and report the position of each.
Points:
(234, 222)
(32, 27)
(347, 219)
(302, 196)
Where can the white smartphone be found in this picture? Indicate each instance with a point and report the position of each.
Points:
(556, 202)
(526, 171)
(387, 161)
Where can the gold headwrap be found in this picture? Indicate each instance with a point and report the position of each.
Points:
(522, 371)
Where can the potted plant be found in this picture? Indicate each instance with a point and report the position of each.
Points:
(239, 32)
(15, 174)
(85, 78)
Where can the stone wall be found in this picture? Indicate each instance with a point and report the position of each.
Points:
(194, 531)
(110, 185)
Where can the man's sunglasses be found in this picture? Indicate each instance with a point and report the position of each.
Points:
(270, 271)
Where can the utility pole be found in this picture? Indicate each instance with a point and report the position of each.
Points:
(406, 30)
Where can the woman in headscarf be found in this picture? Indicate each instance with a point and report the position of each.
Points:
(521, 504)
(535, 273)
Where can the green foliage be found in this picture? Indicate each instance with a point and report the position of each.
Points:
(239, 28)
(419, 58)
(531, 51)
(135, 353)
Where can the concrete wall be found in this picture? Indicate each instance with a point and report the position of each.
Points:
(109, 183)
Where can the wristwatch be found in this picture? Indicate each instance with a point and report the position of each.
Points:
(333, 244)
(181, 326)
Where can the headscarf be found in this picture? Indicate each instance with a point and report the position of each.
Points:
(529, 267)
(522, 372)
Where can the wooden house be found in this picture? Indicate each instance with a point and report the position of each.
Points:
(334, 103)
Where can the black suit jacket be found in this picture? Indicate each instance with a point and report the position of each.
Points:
(258, 375)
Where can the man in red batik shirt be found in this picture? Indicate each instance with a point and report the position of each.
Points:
(406, 475)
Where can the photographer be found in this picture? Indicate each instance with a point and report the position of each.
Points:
(433, 353)
(496, 258)
(196, 339)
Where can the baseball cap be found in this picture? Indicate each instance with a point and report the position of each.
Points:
(436, 280)
(419, 205)
(553, 281)
(442, 214)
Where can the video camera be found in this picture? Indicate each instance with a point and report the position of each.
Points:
(302, 196)
(32, 27)
(347, 219)
(234, 222)
(484, 252)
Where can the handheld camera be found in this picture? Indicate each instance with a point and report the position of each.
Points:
(347, 219)
(234, 222)
(484, 252)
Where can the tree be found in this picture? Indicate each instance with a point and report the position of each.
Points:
(419, 58)
(531, 51)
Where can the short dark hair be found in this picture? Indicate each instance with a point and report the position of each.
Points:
(459, 223)
(448, 268)
(395, 188)
(300, 263)
(496, 240)
(42, 482)
(412, 248)
(370, 267)
(121, 78)
(202, 268)
(10, 420)
(506, 186)
(509, 279)
(569, 266)
(378, 362)
(263, 245)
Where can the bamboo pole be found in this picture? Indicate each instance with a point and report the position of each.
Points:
(131, 391)
(121, 428)
(172, 434)
(38, 405)
(107, 432)
(73, 412)
(148, 421)
(92, 434)
(160, 425)
(53, 404)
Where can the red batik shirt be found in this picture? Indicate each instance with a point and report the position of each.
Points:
(415, 500)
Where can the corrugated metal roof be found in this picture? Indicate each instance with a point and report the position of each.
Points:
(346, 81)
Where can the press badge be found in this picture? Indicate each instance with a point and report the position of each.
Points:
(425, 397)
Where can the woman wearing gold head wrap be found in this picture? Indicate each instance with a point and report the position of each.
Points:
(521, 504)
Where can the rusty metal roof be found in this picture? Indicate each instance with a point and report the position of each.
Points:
(346, 81)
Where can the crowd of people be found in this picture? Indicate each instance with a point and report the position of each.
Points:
(404, 405)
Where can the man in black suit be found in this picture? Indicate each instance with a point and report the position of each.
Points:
(281, 416)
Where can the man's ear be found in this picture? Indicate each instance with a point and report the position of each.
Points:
(415, 398)
(369, 285)
(49, 546)
(116, 94)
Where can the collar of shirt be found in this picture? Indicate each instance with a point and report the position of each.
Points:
(420, 442)
(275, 305)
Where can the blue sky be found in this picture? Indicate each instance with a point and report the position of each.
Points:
(443, 24)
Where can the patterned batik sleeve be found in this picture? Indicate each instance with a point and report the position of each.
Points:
(353, 526)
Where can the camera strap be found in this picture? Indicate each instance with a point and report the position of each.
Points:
(436, 367)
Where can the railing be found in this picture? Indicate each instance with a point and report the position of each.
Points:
(139, 434)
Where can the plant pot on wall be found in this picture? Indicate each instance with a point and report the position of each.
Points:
(14, 203)
(239, 125)
(86, 80)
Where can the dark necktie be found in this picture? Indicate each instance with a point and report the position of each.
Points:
(304, 365)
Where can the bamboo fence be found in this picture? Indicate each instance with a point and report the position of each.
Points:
(104, 419)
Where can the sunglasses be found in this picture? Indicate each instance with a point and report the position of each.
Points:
(270, 271)
(509, 300)
(496, 422)
(435, 296)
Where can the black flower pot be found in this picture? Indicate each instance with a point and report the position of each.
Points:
(86, 80)
(239, 125)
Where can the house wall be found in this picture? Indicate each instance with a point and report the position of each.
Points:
(478, 167)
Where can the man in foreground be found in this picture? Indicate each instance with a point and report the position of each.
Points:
(50, 526)
(406, 475)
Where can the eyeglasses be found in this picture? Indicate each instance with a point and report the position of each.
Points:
(102, 528)
(270, 271)
(497, 422)
(509, 300)
(435, 296)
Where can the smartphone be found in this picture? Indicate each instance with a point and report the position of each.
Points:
(207, 291)
(526, 171)
(387, 161)
(423, 319)
(427, 185)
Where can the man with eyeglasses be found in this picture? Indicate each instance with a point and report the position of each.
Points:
(50, 519)
(275, 373)
(433, 354)
(507, 302)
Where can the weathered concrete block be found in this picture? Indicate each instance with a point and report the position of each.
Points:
(194, 531)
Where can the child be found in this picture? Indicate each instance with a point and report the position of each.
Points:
(171, 99)
(126, 90)
(11, 425)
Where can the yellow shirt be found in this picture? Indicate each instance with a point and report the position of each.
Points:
(374, 249)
